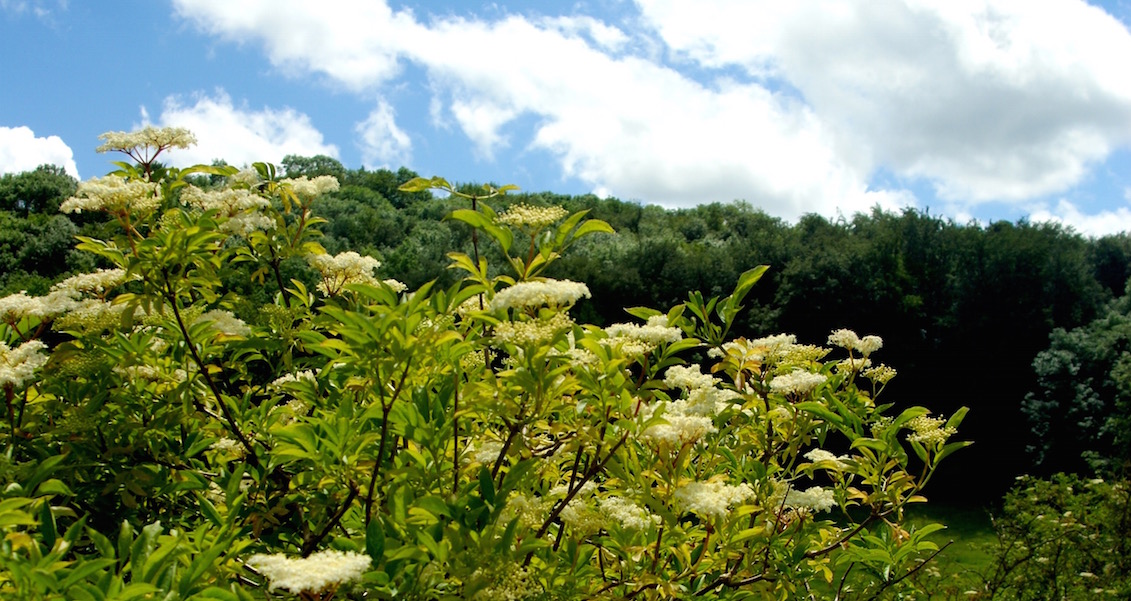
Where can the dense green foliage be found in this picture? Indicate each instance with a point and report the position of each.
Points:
(228, 411)
(943, 294)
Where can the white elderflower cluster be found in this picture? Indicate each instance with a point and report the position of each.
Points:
(929, 430)
(309, 189)
(828, 459)
(534, 218)
(246, 177)
(301, 376)
(226, 323)
(812, 499)
(96, 283)
(798, 382)
(545, 293)
(634, 339)
(149, 138)
(228, 446)
(239, 205)
(345, 268)
(688, 377)
(18, 365)
(711, 499)
(486, 452)
(534, 331)
(880, 374)
(323, 571)
(847, 339)
(853, 364)
(396, 285)
(113, 194)
(627, 514)
(768, 349)
(684, 424)
(511, 582)
(530, 511)
(91, 315)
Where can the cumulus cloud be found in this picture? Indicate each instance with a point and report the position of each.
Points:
(793, 106)
(1103, 223)
(988, 100)
(383, 144)
(21, 150)
(239, 134)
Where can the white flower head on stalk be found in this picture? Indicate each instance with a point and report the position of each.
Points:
(654, 333)
(115, 195)
(929, 430)
(309, 189)
(323, 571)
(798, 382)
(821, 456)
(629, 515)
(688, 377)
(18, 365)
(711, 499)
(812, 499)
(226, 323)
(685, 424)
(346, 268)
(544, 293)
(145, 144)
(531, 218)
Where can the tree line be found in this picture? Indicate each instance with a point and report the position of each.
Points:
(1012, 319)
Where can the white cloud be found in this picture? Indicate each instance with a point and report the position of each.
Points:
(40, 8)
(240, 135)
(1103, 223)
(990, 100)
(383, 144)
(21, 150)
(793, 106)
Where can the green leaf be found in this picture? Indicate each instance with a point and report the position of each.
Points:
(375, 541)
(486, 486)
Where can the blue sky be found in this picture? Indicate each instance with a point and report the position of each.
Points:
(975, 109)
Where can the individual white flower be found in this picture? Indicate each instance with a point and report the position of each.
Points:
(552, 293)
(711, 499)
(798, 382)
(323, 571)
(18, 365)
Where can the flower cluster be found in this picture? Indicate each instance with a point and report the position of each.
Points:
(634, 339)
(712, 498)
(148, 137)
(798, 382)
(239, 205)
(552, 293)
(345, 268)
(113, 194)
(812, 499)
(321, 571)
(18, 365)
(531, 332)
(827, 459)
(309, 189)
(226, 323)
(626, 514)
(533, 218)
(929, 430)
(848, 339)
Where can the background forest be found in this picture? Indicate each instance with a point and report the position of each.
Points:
(1026, 324)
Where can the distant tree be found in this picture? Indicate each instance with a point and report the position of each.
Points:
(41, 190)
(298, 166)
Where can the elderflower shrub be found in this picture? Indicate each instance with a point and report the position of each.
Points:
(475, 442)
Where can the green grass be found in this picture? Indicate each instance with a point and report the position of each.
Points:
(971, 539)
